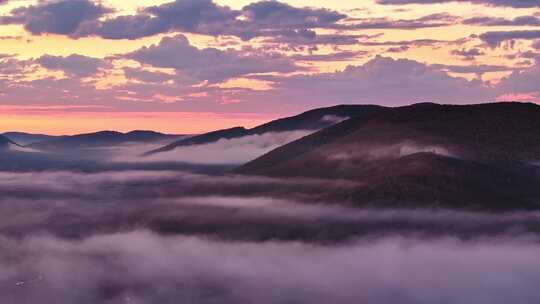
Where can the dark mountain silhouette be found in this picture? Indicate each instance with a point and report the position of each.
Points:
(101, 139)
(425, 154)
(28, 138)
(311, 120)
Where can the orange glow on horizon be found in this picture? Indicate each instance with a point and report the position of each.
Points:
(69, 123)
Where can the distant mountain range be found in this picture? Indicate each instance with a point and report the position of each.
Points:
(100, 139)
(471, 157)
(311, 120)
(424, 154)
(24, 139)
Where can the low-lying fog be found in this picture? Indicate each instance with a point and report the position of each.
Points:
(170, 237)
(142, 267)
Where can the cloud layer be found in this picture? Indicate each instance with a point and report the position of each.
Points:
(140, 267)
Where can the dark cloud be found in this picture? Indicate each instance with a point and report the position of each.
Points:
(301, 38)
(197, 16)
(147, 76)
(73, 65)
(475, 69)
(497, 21)
(508, 3)
(496, 38)
(338, 56)
(433, 20)
(209, 64)
(398, 49)
(264, 18)
(468, 54)
(409, 43)
(266, 15)
(56, 17)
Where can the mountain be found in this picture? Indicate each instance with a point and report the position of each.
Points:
(6, 143)
(101, 139)
(425, 154)
(9, 147)
(311, 120)
(27, 138)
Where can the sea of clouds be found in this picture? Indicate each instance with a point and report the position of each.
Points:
(178, 237)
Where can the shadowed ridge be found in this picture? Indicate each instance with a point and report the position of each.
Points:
(203, 139)
(426, 154)
(311, 120)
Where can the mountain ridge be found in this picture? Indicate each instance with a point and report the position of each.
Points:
(89, 140)
(425, 153)
(315, 119)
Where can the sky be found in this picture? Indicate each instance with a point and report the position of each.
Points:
(189, 66)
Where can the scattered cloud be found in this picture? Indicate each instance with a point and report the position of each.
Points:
(498, 21)
(496, 38)
(504, 3)
(381, 80)
(209, 64)
(468, 54)
(73, 65)
(56, 17)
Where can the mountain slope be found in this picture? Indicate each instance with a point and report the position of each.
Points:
(425, 154)
(24, 139)
(6, 143)
(311, 120)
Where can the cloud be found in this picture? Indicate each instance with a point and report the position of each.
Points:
(56, 17)
(79, 205)
(381, 80)
(234, 151)
(147, 76)
(523, 81)
(433, 20)
(80, 237)
(108, 269)
(209, 64)
(271, 13)
(263, 18)
(474, 68)
(468, 54)
(196, 16)
(371, 153)
(337, 56)
(507, 3)
(498, 21)
(73, 65)
(298, 39)
(496, 38)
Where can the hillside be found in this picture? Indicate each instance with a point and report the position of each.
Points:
(311, 120)
(424, 154)
(24, 139)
